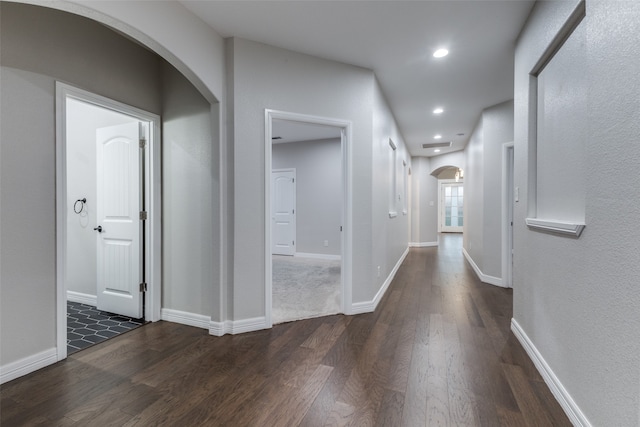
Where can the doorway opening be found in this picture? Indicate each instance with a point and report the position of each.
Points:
(108, 224)
(307, 204)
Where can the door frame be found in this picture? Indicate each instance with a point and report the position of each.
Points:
(508, 207)
(152, 190)
(441, 205)
(295, 207)
(347, 205)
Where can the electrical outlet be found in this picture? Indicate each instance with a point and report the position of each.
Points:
(326, 243)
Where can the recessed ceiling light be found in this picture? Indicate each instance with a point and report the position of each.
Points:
(438, 110)
(440, 53)
(437, 150)
(437, 136)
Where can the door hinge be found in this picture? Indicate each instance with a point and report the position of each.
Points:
(293, 211)
(293, 180)
(340, 228)
(143, 142)
(143, 215)
(143, 287)
(293, 243)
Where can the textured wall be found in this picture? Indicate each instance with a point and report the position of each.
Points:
(577, 299)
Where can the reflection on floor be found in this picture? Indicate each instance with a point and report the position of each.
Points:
(304, 288)
(86, 325)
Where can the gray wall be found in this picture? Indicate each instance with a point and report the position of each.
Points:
(268, 77)
(577, 299)
(498, 129)
(190, 258)
(319, 192)
(390, 236)
(483, 188)
(39, 46)
(473, 237)
(424, 215)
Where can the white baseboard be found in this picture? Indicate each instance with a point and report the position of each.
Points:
(26, 365)
(561, 394)
(185, 318)
(237, 326)
(485, 278)
(318, 256)
(215, 328)
(82, 298)
(369, 306)
(423, 244)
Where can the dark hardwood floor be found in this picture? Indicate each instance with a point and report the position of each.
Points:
(437, 351)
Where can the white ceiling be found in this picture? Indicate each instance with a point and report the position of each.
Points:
(396, 40)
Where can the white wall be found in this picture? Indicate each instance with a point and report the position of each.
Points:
(319, 192)
(577, 299)
(82, 122)
(191, 264)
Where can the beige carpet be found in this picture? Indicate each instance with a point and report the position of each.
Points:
(304, 288)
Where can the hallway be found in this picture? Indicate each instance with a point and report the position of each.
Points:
(437, 351)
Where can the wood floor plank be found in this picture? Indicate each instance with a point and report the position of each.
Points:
(438, 350)
(532, 409)
(340, 416)
(437, 410)
(390, 413)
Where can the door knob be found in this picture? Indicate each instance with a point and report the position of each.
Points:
(98, 229)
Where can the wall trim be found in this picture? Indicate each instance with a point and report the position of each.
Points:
(153, 194)
(423, 244)
(346, 244)
(74, 296)
(238, 326)
(560, 393)
(28, 364)
(318, 256)
(370, 306)
(484, 278)
(215, 328)
(185, 318)
(563, 228)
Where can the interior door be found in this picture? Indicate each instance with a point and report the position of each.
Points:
(119, 249)
(452, 204)
(283, 211)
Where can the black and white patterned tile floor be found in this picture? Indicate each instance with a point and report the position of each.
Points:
(86, 325)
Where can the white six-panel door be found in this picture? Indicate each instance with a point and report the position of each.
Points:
(118, 215)
(283, 216)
